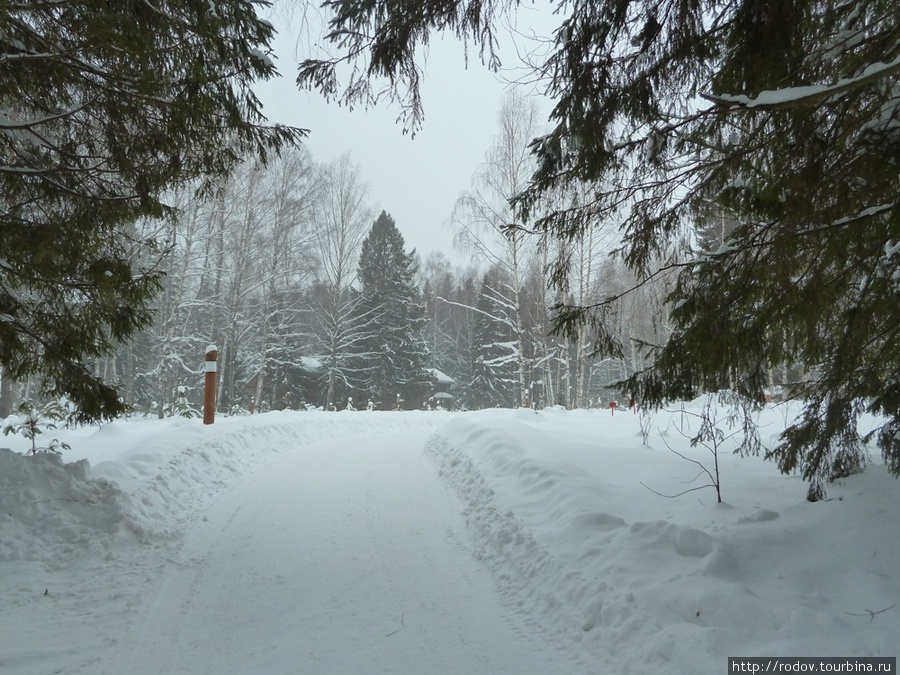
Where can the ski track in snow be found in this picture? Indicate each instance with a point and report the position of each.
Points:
(621, 580)
(345, 569)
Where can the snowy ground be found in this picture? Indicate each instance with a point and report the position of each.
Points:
(485, 543)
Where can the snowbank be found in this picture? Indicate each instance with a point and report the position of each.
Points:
(558, 512)
(147, 479)
(51, 509)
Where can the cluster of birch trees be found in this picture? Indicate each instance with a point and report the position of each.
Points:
(491, 327)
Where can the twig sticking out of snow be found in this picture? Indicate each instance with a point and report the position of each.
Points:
(872, 614)
(394, 632)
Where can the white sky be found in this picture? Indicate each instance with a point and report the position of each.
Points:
(416, 180)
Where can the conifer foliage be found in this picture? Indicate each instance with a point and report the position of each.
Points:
(104, 106)
(781, 117)
(396, 351)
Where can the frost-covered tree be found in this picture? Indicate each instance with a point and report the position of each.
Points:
(283, 269)
(396, 351)
(438, 283)
(237, 264)
(494, 369)
(489, 225)
(786, 116)
(166, 355)
(451, 297)
(342, 216)
(104, 107)
(462, 330)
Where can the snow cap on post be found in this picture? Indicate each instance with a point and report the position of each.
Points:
(212, 355)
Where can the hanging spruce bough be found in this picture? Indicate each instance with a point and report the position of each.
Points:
(104, 106)
(782, 117)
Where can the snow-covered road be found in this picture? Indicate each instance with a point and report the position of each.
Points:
(498, 541)
(346, 556)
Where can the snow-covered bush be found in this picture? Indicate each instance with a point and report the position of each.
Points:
(181, 407)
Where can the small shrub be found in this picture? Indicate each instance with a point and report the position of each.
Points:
(33, 421)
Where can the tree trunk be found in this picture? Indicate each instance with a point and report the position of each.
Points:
(7, 395)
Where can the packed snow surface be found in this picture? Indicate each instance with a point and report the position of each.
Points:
(502, 541)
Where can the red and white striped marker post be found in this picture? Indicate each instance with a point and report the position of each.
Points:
(209, 389)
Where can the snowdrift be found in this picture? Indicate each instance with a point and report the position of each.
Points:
(146, 479)
(558, 512)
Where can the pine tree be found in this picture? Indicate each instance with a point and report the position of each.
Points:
(104, 107)
(390, 299)
(783, 116)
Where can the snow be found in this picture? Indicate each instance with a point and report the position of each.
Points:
(262, 56)
(311, 364)
(790, 94)
(441, 377)
(500, 541)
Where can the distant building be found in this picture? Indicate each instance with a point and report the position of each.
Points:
(441, 384)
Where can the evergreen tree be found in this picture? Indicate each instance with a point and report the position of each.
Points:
(784, 116)
(104, 107)
(393, 306)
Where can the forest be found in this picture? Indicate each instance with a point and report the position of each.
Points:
(709, 206)
(273, 268)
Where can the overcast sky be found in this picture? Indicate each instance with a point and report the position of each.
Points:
(416, 180)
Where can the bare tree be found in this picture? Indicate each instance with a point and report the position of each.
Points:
(487, 221)
(342, 217)
(286, 260)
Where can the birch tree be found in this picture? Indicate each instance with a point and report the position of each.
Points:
(285, 266)
(489, 226)
(342, 218)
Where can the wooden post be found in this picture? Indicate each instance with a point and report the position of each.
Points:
(209, 390)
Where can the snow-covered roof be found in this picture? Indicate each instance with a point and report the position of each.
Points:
(311, 363)
(439, 377)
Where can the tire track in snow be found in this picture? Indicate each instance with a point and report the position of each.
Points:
(336, 558)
